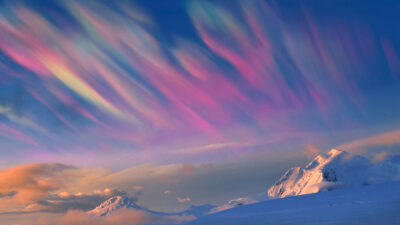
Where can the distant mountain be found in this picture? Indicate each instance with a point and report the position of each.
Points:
(121, 202)
(335, 169)
(113, 204)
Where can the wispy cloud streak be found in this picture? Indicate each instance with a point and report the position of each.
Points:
(252, 72)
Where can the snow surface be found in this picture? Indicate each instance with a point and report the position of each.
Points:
(377, 204)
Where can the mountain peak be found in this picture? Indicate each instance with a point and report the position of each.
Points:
(112, 204)
(325, 172)
(325, 158)
(334, 152)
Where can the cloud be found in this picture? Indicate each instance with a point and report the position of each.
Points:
(380, 156)
(31, 182)
(148, 173)
(120, 217)
(310, 151)
(179, 90)
(187, 169)
(138, 187)
(183, 200)
(167, 192)
(12, 133)
(54, 187)
(212, 147)
(43, 187)
(12, 116)
(382, 140)
(65, 201)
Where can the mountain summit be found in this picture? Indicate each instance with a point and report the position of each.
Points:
(113, 204)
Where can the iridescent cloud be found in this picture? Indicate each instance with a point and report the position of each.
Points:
(110, 77)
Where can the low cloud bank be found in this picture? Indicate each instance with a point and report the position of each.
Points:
(120, 217)
(40, 187)
(31, 182)
(386, 139)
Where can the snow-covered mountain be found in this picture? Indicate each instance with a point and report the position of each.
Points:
(121, 202)
(335, 169)
(113, 204)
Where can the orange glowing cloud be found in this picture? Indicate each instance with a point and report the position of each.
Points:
(120, 217)
(49, 187)
(31, 182)
(386, 139)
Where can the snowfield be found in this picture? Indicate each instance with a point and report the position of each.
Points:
(377, 204)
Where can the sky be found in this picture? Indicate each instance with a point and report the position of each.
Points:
(177, 103)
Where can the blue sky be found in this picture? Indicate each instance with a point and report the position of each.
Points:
(194, 88)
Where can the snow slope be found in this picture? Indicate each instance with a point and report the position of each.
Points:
(234, 203)
(377, 204)
(196, 211)
(335, 169)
